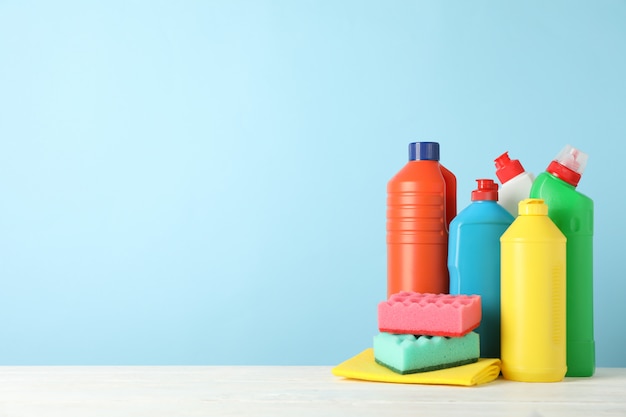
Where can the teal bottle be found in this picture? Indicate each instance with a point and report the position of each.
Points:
(572, 212)
(474, 259)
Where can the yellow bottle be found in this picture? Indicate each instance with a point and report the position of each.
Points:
(533, 250)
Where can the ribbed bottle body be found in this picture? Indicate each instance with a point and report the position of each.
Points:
(533, 304)
(474, 264)
(418, 215)
(572, 212)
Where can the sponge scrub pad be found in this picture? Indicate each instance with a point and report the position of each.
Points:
(431, 314)
(407, 353)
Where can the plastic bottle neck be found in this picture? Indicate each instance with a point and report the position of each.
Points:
(507, 168)
(564, 173)
(487, 190)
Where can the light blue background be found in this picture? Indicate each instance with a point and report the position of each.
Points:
(204, 182)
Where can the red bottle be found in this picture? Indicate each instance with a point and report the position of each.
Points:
(421, 203)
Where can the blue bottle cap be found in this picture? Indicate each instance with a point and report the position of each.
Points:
(424, 151)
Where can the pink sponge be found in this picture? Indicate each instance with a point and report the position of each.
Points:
(429, 314)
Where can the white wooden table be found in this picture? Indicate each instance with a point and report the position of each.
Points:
(289, 391)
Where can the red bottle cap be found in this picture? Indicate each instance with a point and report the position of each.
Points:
(507, 168)
(568, 165)
(487, 190)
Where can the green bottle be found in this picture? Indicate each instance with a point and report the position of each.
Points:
(572, 212)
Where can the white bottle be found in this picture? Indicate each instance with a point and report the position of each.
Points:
(516, 182)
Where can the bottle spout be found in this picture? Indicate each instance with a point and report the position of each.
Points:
(569, 165)
(573, 159)
(507, 168)
(487, 190)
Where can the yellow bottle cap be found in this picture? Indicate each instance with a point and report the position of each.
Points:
(533, 207)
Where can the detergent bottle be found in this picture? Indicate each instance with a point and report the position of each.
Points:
(533, 296)
(421, 202)
(572, 212)
(474, 259)
(515, 180)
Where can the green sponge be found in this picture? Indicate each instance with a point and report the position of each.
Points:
(408, 354)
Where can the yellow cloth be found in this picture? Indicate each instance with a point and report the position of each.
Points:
(363, 366)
